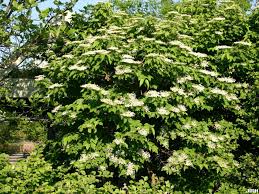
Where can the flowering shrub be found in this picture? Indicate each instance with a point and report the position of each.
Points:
(154, 105)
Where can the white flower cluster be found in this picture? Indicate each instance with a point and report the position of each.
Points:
(185, 36)
(181, 45)
(227, 79)
(130, 169)
(91, 87)
(179, 91)
(149, 39)
(144, 154)
(120, 70)
(86, 157)
(102, 52)
(178, 159)
(118, 141)
(178, 109)
(68, 56)
(112, 102)
(143, 131)
(56, 109)
(218, 32)
(131, 61)
(117, 160)
(219, 91)
(133, 101)
(162, 111)
(222, 47)
(184, 79)
(243, 43)
(198, 87)
(197, 54)
(68, 17)
(39, 77)
(211, 73)
(76, 67)
(56, 85)
(217, 19)
(128, 114)
(154, 94)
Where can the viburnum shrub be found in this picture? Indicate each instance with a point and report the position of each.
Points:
(162, 100)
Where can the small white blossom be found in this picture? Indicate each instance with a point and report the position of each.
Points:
(180, 91)
(73, 115)
(107, 101)
(39, 77)
(218, 19)
(143, 132)
(149, 39)
(56, 85)
(164, 94)
(91, 87)
(222, 47)
(184, 79)
(68, 17)
(120, 70)
(182, 108)
(56, 109)
(211, 73)
(218, 32)
(128, 114)
(76, 67)
(231, 97)
(243, 43)
(118, 141)
(130, 169)
(219, 91)
(227, 79)
(175, 110)
(201, 55)
(43, 65)
(144, 154)
(198, 87)
(69, 56)
(185, 36)
(187, 126)
(131, 61)
(163, 111)
(211, 145)
(112, 48)
(127, 57)
(152, 93)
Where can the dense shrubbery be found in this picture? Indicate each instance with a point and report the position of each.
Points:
(148, 105)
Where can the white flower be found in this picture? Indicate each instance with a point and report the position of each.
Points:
(184, 36)
(127, 57)
(182, 108)
(219, 91)
(103, 52)
(144, 154)
(131, 61)
(176, 42)
(117, 101)
(76, 67)
(73, 115)
(187, 126)
(243, 43)
(120, 70)
(152, 93)
(112, 48)
(164, 94)
(163, 111)
(135, 102)
(128, 114)
(84, 45)
(69, 56)
(56, 85)
(91, 87)
(56, 109)
(86, 157)
(118, 141)
(107, 101)
(211, 145)
(218, 32)
(64, 113)
(188, 163)
(197, 100)
(218, 19)
(180, 91)
(222, 47)
(211, 73)
(227, 79)
(146, 109)
(160, 42)
(130, 169)
(184, 79)
(143, 132)
(102, 168)
(217, 125)
(39, 77)
(231, 97)
(68, 16)
(175, 110)
(198, 87)
(89, 53)
(149, 39)
(185, 47)
(201, 55)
